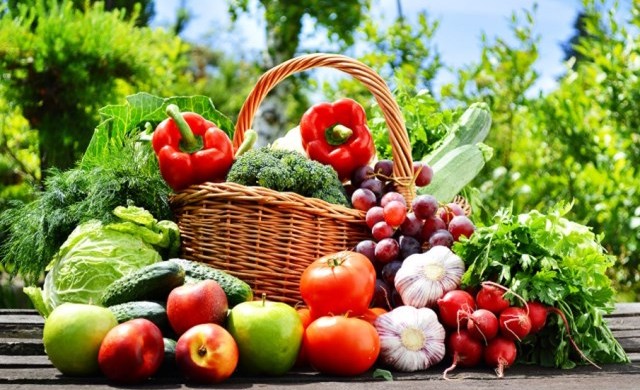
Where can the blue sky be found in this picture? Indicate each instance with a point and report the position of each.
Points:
(458, 38)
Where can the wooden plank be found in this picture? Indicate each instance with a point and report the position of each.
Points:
(21, 346)
(618, 377)
(627, 309)
(18, 330)
(624, 323)
(18, 361)
(23, 318)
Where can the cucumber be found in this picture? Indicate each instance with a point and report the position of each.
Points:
(471, 128)
(237, 291)
(150, 310)
(456, 170)
(152, 282)
(169, 360)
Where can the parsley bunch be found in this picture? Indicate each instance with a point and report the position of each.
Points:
(560, 263)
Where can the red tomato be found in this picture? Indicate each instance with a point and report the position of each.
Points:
(338, 283)
(305, 317)
(341, 345)
(372, 313)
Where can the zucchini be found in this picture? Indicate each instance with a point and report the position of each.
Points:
(471, 128)
(152, 282)
(456, 170)
(237, 291)
(150, 310)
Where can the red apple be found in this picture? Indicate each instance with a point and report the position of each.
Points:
(194, 304)
(132, 351)
(207, 353)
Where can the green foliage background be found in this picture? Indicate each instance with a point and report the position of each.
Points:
(577, 143)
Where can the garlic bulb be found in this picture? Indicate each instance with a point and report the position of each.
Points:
(411, 339)
(425, 277)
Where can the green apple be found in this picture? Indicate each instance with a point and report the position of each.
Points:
(72, 336)
(268, 335)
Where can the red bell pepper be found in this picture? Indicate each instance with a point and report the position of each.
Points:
(336, 134)
(191, 149)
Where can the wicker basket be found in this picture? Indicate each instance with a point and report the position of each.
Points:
(267, 238)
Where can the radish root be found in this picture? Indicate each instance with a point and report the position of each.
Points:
(507, 289)
(514, 334)
(500, 369)
(452, 367)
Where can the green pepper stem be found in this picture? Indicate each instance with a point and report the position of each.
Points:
(188, 143)
(337, 134)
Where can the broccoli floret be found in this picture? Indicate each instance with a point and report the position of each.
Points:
(286, 170)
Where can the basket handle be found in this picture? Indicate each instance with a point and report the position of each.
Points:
(400, 144)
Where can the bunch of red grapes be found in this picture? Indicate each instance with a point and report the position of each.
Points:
(399, 229)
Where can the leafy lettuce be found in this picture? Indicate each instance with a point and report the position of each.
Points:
(96, 254)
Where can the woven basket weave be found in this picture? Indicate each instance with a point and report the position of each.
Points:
(267, 238)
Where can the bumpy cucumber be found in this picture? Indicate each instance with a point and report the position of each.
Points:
(471, 128)
(153, 282)
(237, 291)
(169, 360)
(152, 311)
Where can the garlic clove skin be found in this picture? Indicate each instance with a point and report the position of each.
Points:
(425, 277)
(411, 339)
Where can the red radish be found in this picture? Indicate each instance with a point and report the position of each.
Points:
(500, 353)
(454, 307)
(514, 323)
(464, 350)
(482, 325)
(537, 315)
(491, 297)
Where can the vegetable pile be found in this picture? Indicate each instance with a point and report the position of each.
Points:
(431, 286)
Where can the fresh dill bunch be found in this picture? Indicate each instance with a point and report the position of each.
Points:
(31, 233)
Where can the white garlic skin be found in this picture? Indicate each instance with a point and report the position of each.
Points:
(411, 339)
(425, 277)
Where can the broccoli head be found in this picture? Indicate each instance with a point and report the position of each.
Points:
(286, 170)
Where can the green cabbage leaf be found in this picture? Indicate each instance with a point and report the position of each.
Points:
(95, 255)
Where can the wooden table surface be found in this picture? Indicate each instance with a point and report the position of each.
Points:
(24, 365)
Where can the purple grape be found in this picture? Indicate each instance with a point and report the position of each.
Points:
(409, 246)
(367, 248)
(384, 167)
(387, 250)
(430, 226)
(381, 295)
(424, 206)
(363, 199)
(389, 186)
(360, 174)
(425, 175)
(440, 237)
(373, 216)
(391, 196)
(412, 226)
(461, 225)
(389, 272)
(374, 185)
(382, 230)
(396, 299)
